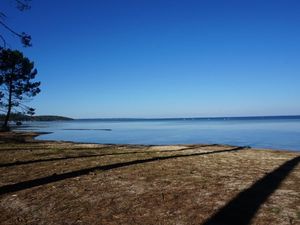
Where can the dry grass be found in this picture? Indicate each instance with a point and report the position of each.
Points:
(153, 188)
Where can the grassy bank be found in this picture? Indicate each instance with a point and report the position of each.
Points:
(70, 183)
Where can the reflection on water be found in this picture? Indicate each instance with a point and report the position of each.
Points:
(276, 133)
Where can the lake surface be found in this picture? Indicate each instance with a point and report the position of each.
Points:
(261, 132)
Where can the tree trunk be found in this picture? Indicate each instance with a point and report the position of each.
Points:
(5, 126)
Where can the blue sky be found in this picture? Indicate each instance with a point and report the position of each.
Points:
(150, 58)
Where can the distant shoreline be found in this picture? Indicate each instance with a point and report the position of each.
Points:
(21, 117)
(45, 118)
(196, 118)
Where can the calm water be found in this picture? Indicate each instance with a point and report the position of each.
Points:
(275, 133)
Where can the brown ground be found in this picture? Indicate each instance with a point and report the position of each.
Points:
(69, 183)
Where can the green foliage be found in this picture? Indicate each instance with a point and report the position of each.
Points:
(16, 81)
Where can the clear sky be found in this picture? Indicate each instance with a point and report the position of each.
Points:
(163, 58)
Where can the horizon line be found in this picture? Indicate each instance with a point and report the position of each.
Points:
(196, 117)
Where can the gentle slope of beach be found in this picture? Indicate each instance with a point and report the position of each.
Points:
(72, 183)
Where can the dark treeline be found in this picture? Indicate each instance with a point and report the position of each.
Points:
(22, 117)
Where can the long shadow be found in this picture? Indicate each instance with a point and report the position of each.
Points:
(107, 146)
(58, 177)
(241, 209)
(17, 163)
(43, 148)
(29, 147)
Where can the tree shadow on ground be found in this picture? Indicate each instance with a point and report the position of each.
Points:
(17, 163)
(241, 209)
(43, 148)
(58, 177)
(106, 146)
(28, 147)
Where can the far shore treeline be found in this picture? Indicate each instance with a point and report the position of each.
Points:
(22, 117)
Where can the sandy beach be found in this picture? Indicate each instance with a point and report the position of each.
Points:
(45, 182)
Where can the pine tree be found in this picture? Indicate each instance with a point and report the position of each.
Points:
(17, 85)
